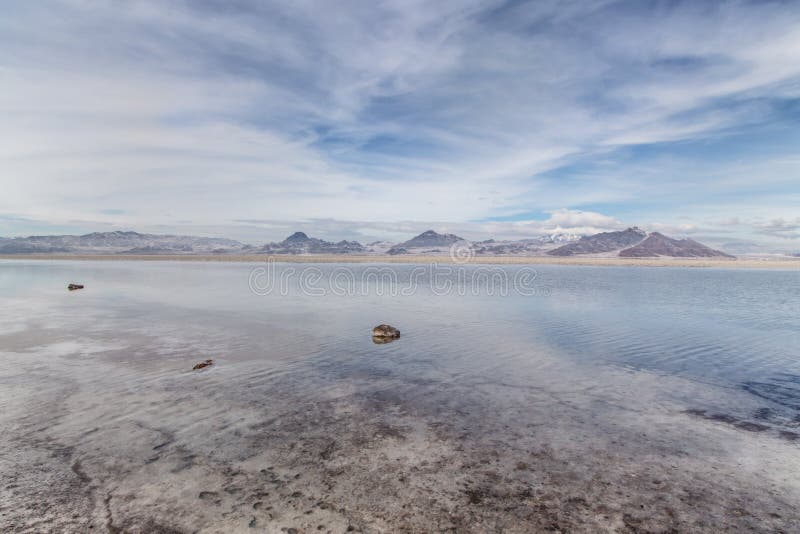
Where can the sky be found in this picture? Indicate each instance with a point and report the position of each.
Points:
(379, 119)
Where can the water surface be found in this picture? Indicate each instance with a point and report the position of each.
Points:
(608, 398)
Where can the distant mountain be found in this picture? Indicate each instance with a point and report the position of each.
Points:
(119, 243)
(430, 240)
(630, 243)
(20, 246)
(522, 247)
(600, 243)
(748, 248)
(658, 244)
(300, 243)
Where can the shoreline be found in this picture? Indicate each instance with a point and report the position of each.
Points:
(737, 263)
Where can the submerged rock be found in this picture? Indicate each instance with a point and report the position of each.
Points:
(385, 331)
(200, 365)
(73, 287)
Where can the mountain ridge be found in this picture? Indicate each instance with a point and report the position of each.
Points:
(602, 242)
(657, 244)
(629, 243)
(427, 239)
(300, 243)
(118, 242)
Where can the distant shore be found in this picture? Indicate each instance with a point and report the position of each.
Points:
(417, 259)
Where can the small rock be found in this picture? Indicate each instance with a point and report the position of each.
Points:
(202, 364)
(73, 287)
(385, 331)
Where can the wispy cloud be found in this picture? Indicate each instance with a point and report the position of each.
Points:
(153, 112)
(781, 228)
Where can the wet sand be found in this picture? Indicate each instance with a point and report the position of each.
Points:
(332, 451)
(420, 259)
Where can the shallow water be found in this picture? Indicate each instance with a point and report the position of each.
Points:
(593, 399)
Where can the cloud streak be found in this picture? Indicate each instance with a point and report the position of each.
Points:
(150, 113)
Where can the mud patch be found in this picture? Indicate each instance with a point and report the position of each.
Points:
(728, 419)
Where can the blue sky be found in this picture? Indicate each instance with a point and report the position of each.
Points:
(373, 120)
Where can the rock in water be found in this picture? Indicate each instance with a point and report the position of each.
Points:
(385, 331)
(73, 287)
(202, 364)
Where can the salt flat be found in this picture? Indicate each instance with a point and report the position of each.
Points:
(617, 400)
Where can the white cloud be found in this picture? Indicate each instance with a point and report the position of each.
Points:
(570, 219)
(171, 111)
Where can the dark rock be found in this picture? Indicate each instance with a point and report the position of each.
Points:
(385, 331)
(202, 364)
(73, 287)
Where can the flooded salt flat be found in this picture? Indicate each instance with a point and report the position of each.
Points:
(607, 399)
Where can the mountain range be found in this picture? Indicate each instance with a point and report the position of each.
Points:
(629, 243)
(658, 244)
(635, 243)
(119, 243)
(300, 243)
(601, 243)
(427, 242)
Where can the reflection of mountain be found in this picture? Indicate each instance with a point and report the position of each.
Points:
(599, 243)
(658, 244)
(300, 243)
